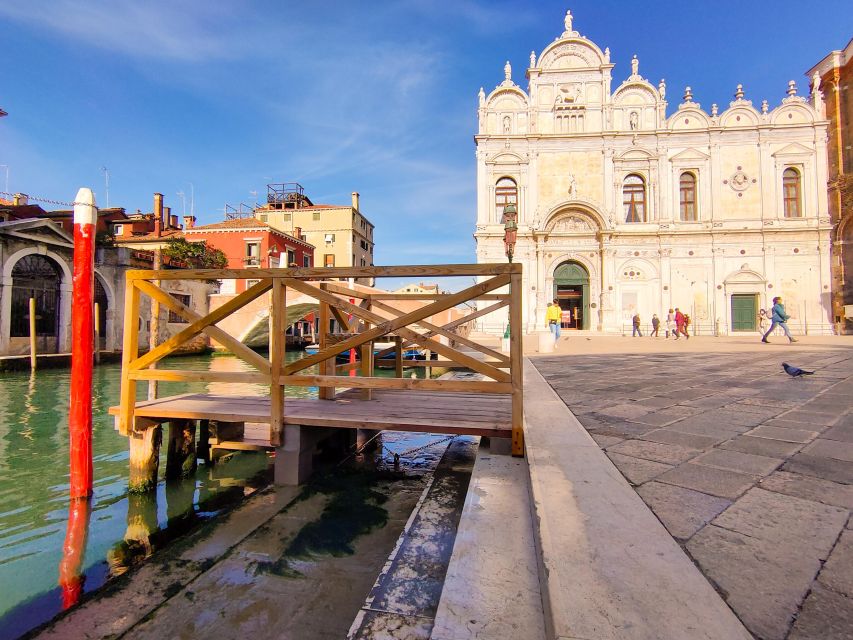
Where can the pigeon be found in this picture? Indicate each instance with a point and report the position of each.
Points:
(795, 372)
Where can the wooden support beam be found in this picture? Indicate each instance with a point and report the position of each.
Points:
(434, 329)
(181, 455)
(278, 314)
(367, 361)
(341, 318)
(327, 367)
(330, 273)
(465, 386)
(130, 350)
(387, 326)
(398, 357)
(517, 369)
(225, 339)
(199, 325)
(144, 459)
(191, 375)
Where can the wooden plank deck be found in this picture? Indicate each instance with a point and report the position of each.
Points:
(426, 411)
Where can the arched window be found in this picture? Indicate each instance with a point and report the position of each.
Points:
(791, 193)
(687, 190)
(35, 276)
(634, 198)
(506, 191)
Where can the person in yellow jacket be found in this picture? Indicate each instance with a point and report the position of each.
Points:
(552, 317)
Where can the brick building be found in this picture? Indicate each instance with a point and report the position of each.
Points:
(833, 76)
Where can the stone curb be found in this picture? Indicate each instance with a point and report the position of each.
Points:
(608, 568)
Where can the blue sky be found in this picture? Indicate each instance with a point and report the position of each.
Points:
(375, 97)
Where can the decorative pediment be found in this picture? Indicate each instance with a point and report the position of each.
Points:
(635, 154)
(690, 155)
(793, 149)
(37, 230)
(569, 54)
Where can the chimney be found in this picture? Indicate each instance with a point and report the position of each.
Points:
(297, 232)
(173, 219)
(355, 200)
(158, 212)
(20, 199)
(189, 222)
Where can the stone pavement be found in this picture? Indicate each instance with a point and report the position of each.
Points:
(751, 471)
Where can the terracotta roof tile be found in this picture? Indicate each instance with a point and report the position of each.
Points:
(236, 223)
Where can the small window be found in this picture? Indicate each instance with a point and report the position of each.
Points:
(286, 217)
(185, 300)
(306, 261)
(363, 262)
(316, 217)
(687, 189)
(506, 192)
(118, 230)
(329, 260)
(291, 257)
(634, 198)
(791, 193)
(264, 217)
(253, 254)
(330, 238)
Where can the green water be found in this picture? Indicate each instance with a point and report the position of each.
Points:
(123, 529)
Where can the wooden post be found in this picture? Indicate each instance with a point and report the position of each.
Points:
(278, 313)
(398, 357)
(203, 448)
(327, 367)
(367, 361)
(82, 338)
(73, 550)
(154, 332)
(180, 456)
(33, 356)
(130, 351)
(97, 333)
(144, 459)
(516, 364)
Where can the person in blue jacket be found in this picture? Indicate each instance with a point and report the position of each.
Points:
(778, 318)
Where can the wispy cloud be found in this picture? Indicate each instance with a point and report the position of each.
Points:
(190, 31)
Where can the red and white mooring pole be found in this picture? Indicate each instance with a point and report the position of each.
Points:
(82, 344)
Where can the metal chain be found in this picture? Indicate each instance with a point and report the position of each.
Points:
(409, 452)
(46, 200)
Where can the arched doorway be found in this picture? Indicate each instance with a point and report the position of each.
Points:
(103, 303)
(35, 276)
(571, 289)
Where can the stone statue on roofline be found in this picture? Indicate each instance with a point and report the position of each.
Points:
(532, 59)
(482, 98)
(507, 71)
(635, 66)
(662, 89)
(568, 20)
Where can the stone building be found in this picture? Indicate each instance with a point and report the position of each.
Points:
(833, 77)
(341, 234)
(626, 205)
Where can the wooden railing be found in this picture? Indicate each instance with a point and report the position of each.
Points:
(372, 318)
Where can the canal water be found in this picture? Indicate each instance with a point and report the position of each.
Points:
(122, 530)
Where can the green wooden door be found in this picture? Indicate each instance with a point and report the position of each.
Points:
(744, 312)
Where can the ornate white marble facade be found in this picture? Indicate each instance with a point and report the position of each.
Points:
(725, 206)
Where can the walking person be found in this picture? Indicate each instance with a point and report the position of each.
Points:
(635, 321)
(679, 324)
(778, 318)
(762, 321)
(670, 324)
(655, 326)
(553, 316)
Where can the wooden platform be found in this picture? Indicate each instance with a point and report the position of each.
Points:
(426, 411)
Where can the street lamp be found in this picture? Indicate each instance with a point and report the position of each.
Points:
(509, 218)
(510, 229)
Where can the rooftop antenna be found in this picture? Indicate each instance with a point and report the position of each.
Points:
(107, 184)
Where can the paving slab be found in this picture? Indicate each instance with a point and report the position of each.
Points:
(682, 511)
(783, 433)
(762, 446)
(671, 454)
(830, 449)
(837, 572)
(605, 441)
(689, 440)
(610, 569)
(826, 615)
(738, 461)
(717, 482)
(636, 470)
(841, 433)
(827, 468)
(810, 488)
